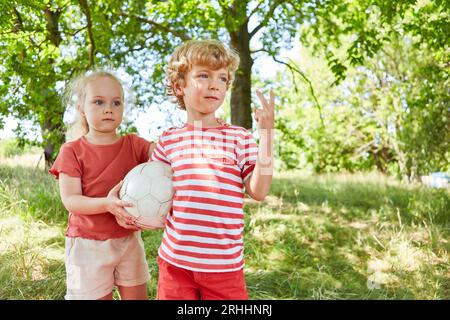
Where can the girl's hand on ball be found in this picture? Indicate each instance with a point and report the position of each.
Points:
(116, 206)
(126, 225)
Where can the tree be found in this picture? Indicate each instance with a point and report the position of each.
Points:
(44, 43)
(253, 28)
(30, 54)
(390, 113)
(41, 48)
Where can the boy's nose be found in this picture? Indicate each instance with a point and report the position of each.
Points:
(213, 85)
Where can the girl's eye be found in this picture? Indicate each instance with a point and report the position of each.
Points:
(224, 79)
(117, 103)
(203, 75)
(98, 102)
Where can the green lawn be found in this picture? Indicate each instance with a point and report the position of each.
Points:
(358, 236)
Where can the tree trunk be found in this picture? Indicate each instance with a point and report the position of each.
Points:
(241, 113)
(49, 147)
(52, 125)
(53, 137)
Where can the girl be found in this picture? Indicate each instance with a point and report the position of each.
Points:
(103, 247)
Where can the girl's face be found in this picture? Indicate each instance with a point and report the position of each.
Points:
(103, 105)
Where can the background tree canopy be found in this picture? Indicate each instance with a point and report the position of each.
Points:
(369, 88)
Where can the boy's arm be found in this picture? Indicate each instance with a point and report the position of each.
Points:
(150, 151)
(157, 151)
(258, 185)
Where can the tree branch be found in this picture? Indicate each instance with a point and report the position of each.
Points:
(305, 79)
(73, 34)
(87, 12)
(254, 10)
(52, 20)
(158, 26)
(266, 18)
(18, 23)
(18, 27)
(258, 50)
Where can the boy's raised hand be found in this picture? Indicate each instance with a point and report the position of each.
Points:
(265, 116)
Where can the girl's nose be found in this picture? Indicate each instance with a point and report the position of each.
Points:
(107, 108)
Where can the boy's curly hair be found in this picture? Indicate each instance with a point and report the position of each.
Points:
(210, 53)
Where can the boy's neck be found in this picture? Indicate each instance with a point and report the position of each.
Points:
(203, 120)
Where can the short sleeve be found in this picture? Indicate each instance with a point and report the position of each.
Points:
(142, 147)
(159, 153)
(66, 162)
(247, 153)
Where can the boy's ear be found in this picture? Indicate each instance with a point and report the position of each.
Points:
(178, 88)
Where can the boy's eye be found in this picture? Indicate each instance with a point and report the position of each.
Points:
(117, 103)
(203, 75)
(224, 79)
(98, 102)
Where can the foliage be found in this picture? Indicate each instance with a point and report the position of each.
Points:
(44, 43)
(10, 147)
(391, 113)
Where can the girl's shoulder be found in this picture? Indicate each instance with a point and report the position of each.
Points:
(134, 139)
(73, 144)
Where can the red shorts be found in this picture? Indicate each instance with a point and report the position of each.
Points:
(175, 283)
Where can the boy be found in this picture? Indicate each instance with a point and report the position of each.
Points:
(201, 254)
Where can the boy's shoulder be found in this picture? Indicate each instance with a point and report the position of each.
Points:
(236, 128)
(226, 128)
(172, 130)
(237, 131)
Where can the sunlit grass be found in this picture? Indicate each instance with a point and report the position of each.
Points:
(341, 236)
(348, 237)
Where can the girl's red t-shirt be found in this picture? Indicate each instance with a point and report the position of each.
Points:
(100, 168)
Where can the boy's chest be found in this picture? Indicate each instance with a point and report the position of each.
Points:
(215, 149)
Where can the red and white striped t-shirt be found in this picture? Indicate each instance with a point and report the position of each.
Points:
(204, 230)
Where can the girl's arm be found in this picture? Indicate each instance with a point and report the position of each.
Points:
(258, 185)
(74, 200)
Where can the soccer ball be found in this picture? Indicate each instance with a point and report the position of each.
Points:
(149, 188)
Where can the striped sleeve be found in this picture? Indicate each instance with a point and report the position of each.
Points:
(247, 152)
(159, 153)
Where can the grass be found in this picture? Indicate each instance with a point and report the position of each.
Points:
(359, 236)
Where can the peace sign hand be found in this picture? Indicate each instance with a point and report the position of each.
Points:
(265, 116)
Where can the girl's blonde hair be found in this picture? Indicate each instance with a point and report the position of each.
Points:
(210, 53)
(74, 96)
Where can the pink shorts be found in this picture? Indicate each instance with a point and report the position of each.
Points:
(175, 283)
(94, 267)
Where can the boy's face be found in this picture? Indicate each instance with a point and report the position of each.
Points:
(204, 89)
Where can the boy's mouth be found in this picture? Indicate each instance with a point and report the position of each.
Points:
(211, 98)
